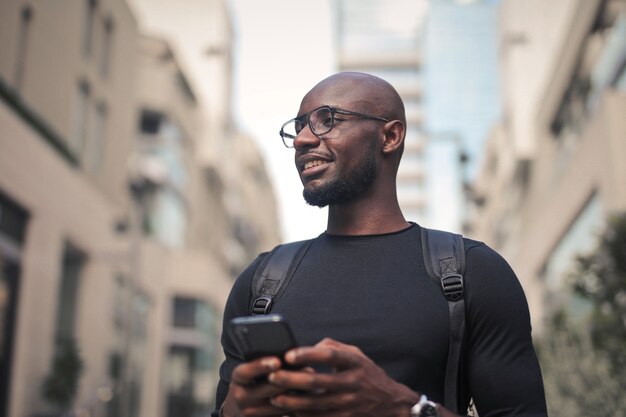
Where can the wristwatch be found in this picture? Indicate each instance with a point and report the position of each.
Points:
(424, 408)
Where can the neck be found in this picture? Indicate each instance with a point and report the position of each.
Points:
(366, 217)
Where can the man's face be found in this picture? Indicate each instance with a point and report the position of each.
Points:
(340, 166)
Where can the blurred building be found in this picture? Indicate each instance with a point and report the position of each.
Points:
(384, 38)
(554, 168)
(461, 101)
(118, 236)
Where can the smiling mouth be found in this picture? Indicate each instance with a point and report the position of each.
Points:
(316, 163)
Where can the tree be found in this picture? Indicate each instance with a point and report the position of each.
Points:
(583, 360)
(601, 279)
(61, 384)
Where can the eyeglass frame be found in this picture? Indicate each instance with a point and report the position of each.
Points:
(333, 111)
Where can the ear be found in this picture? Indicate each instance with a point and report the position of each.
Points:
(394, 136)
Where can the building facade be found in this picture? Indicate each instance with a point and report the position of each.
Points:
(461, 102)
(385, 39)
(118, 242)
(553, 170)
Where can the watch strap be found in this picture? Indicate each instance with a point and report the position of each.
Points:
(424, 408)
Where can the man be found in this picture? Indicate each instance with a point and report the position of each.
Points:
(360, 303)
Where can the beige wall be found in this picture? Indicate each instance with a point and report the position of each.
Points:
(55, 65)
(63, 206)
(535, 184)
(75, 203)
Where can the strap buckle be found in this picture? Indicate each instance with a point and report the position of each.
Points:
(452, 285)
(262, 305)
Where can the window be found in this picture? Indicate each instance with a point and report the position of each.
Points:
(107, 40)
(141, 312)
(580, 238)
(150, 122)
(600, 59)
(168, 217)
(22, 45)
(94, 153)
(620, 80)
(90, 15)
(79, 122)
(184, 312)
(72, 265)
(192, 358)
(13, 222)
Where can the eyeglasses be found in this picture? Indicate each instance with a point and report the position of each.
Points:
(320, 121)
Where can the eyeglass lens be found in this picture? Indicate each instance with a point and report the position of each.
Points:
(320, 121)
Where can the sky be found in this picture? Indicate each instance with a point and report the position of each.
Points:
(282, 49)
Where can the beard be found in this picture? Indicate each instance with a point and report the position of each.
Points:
(346, 188)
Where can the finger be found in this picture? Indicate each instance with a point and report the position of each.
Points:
(316, 382)
(338, 358)
(248, 372)
(251, 394)
(314, 403)
(334, 344)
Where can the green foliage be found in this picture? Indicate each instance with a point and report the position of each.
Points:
(583, 360)
(578, 378)
(601, 279)
(61, 384)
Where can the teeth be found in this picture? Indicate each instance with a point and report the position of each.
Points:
(312, 164)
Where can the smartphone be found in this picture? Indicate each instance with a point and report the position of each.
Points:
(257, 336)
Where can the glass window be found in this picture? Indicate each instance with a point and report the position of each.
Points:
(107, 44)
(95, 146)
(90, 15)
(22, 45)
(367, 25)
(184, 314)
(580, 238)
(79, 122)
(9, 280)
(620, 80)
(150, 122)
(13, 220)
(168, 218)
(72, 265)
(192, 358)
(140, 311)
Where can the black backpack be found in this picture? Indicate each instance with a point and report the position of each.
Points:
(444, 259)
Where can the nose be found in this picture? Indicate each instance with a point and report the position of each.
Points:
(306, 139)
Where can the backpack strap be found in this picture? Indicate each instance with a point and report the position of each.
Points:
(274, 273)
(444, 259)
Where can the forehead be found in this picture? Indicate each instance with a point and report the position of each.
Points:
(344, 94)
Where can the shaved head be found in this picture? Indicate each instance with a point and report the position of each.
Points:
(369, 94)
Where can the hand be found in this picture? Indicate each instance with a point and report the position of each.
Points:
(356, 387)
(249, 392)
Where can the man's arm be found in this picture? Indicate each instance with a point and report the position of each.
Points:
(237, 305)
(502, 370)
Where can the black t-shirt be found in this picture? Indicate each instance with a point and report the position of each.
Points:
(373, 292)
